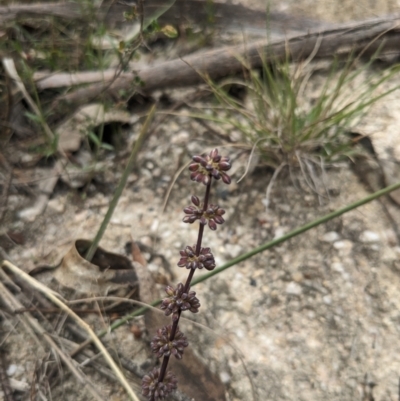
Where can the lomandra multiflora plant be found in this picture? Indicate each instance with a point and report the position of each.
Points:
(169, 340)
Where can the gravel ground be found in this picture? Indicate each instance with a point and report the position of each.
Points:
(317, 317)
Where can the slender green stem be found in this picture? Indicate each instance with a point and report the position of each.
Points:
(297, 231)
(266, 246)
(113, 204)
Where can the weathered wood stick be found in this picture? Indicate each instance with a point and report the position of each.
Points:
(366, 37)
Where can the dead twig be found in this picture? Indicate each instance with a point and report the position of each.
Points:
(15, 304)
(365, 36)
(56, 299)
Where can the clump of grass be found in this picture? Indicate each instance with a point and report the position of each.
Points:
(287, 128)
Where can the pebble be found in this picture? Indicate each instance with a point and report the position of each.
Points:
(152, 267)
(233, 250)
(56, 205)
(11, 370)
(345, 246)
(279, 232)
(297, 277)
(240, 333)
(337, 267)
(330, 236)
(149, 165)
(368, 237)
(225, 377)
(154, 225)
(327, 299)
(147, 240)
(293, 289)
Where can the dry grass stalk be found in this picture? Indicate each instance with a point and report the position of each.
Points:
(11, 70)
(56, 299)
(14, 304)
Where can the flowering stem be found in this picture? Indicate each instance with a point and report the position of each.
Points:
(165, 364)
(169, 340)
(201, 227)
(188, 281)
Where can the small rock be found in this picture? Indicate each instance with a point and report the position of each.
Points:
(11, 370)
(368, 237)
(154, 225)
(346, 276)
(345, 246)
(253, 282)
(233, 250)
(330, 236)
(240, 333)
(149, 165)
(337, 267)
(147, 240)
(225, 377)
(327, 299)
(297, 277)
(280, 232)
(56, 205)
(293, 289)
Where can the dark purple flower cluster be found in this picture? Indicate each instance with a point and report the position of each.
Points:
(191, 261)
(169, 340)
(156, 390)
(211, 165)
(211, 216)
(178, 300)
(163, 346)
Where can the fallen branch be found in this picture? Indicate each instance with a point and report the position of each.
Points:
(233, 16)
(366, 37)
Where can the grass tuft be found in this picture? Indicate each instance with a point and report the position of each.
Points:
(292, 120)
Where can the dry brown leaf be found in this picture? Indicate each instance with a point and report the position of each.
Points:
(73, 130)
(107, 273)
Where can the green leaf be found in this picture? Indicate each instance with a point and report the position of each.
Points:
(169, 31)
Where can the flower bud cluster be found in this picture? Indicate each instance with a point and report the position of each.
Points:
(161, 344)
(179, 300)
(191, 261)
(211, 165)
(212, 215)
(156, 390)
(169, 340)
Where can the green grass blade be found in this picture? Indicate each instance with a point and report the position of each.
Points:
(121, 185)
(264, 247)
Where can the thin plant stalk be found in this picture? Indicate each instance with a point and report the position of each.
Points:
(57, 300)
(169, 340)
(121, 185)
(298, 231)
(264, 247)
